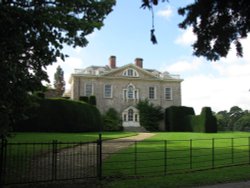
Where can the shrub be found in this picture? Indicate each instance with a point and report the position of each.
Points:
(84, 99)
(150, 115)
(175, 118)
(205, 122)
(112, 121)
(92, 100)
(181, 119)
(62, 115)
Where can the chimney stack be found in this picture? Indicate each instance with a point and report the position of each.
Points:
(139, 62)
(112, 62)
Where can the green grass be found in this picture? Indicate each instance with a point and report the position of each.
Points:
(151, 159)
(194, 179)
(30, 137)
(25, 147)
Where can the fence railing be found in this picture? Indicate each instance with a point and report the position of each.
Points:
(176, 156)
(41, 162)
(52, 161)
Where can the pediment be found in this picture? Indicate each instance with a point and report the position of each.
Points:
(130, 71)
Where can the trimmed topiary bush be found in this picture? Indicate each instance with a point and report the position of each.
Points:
(175, 118)
(62, 115)
(84, 99)
(182, 119)
(92, 100)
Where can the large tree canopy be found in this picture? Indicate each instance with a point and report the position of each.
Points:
(217, 24)
(32, 36)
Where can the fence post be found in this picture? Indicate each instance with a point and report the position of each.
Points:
(165, 157)
(249, 148)
(54, 159)
(191, 153)
(99, 157)
(232, 149)
(212, 152)
(2, 160)
(135, 162)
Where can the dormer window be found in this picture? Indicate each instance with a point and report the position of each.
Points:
(130, 73)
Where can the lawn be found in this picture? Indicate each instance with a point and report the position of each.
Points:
(167, 157)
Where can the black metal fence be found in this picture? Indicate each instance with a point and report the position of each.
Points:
(52, 161)
(176, 156)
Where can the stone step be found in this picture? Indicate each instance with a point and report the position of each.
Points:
(134, 129)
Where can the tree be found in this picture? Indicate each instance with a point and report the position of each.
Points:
(112, 120)
(32, 36)
(235, 113)
(222, 120)
(243, 123)
(217, 24)
(59, 82)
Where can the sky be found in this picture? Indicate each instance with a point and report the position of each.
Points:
(126, 35)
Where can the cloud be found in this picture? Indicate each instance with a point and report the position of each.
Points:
(166, 13)
(186, 38)
(223, 85)
(184, 66)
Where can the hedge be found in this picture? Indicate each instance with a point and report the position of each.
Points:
(182, 119)
(175, 118)
(62, 115)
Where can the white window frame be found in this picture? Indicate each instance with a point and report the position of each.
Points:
(105, 91)
(130, 93)
(168, 95)
(154, 92)
(87, 93)
(130, 115)
(130, 72)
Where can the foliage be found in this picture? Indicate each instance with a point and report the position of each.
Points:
(59, 82)
(62, 115)
(112, 121)
(182, 119)
(84, 99)
(92, 100)
(150, 115)
(32, 36)
(230, 121)
(243, 123)
(218, 24)
(174, 118)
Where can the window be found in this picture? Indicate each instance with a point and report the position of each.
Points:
(136, 117)
(151, 94)
(130, 73)
(108, 91)
(130, 115)
(168, 93)
(88, 89)
(130, 92)
(125, 117)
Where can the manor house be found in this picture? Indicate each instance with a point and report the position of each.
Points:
(122, 87)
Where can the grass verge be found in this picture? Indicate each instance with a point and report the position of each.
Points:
(194, 179)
